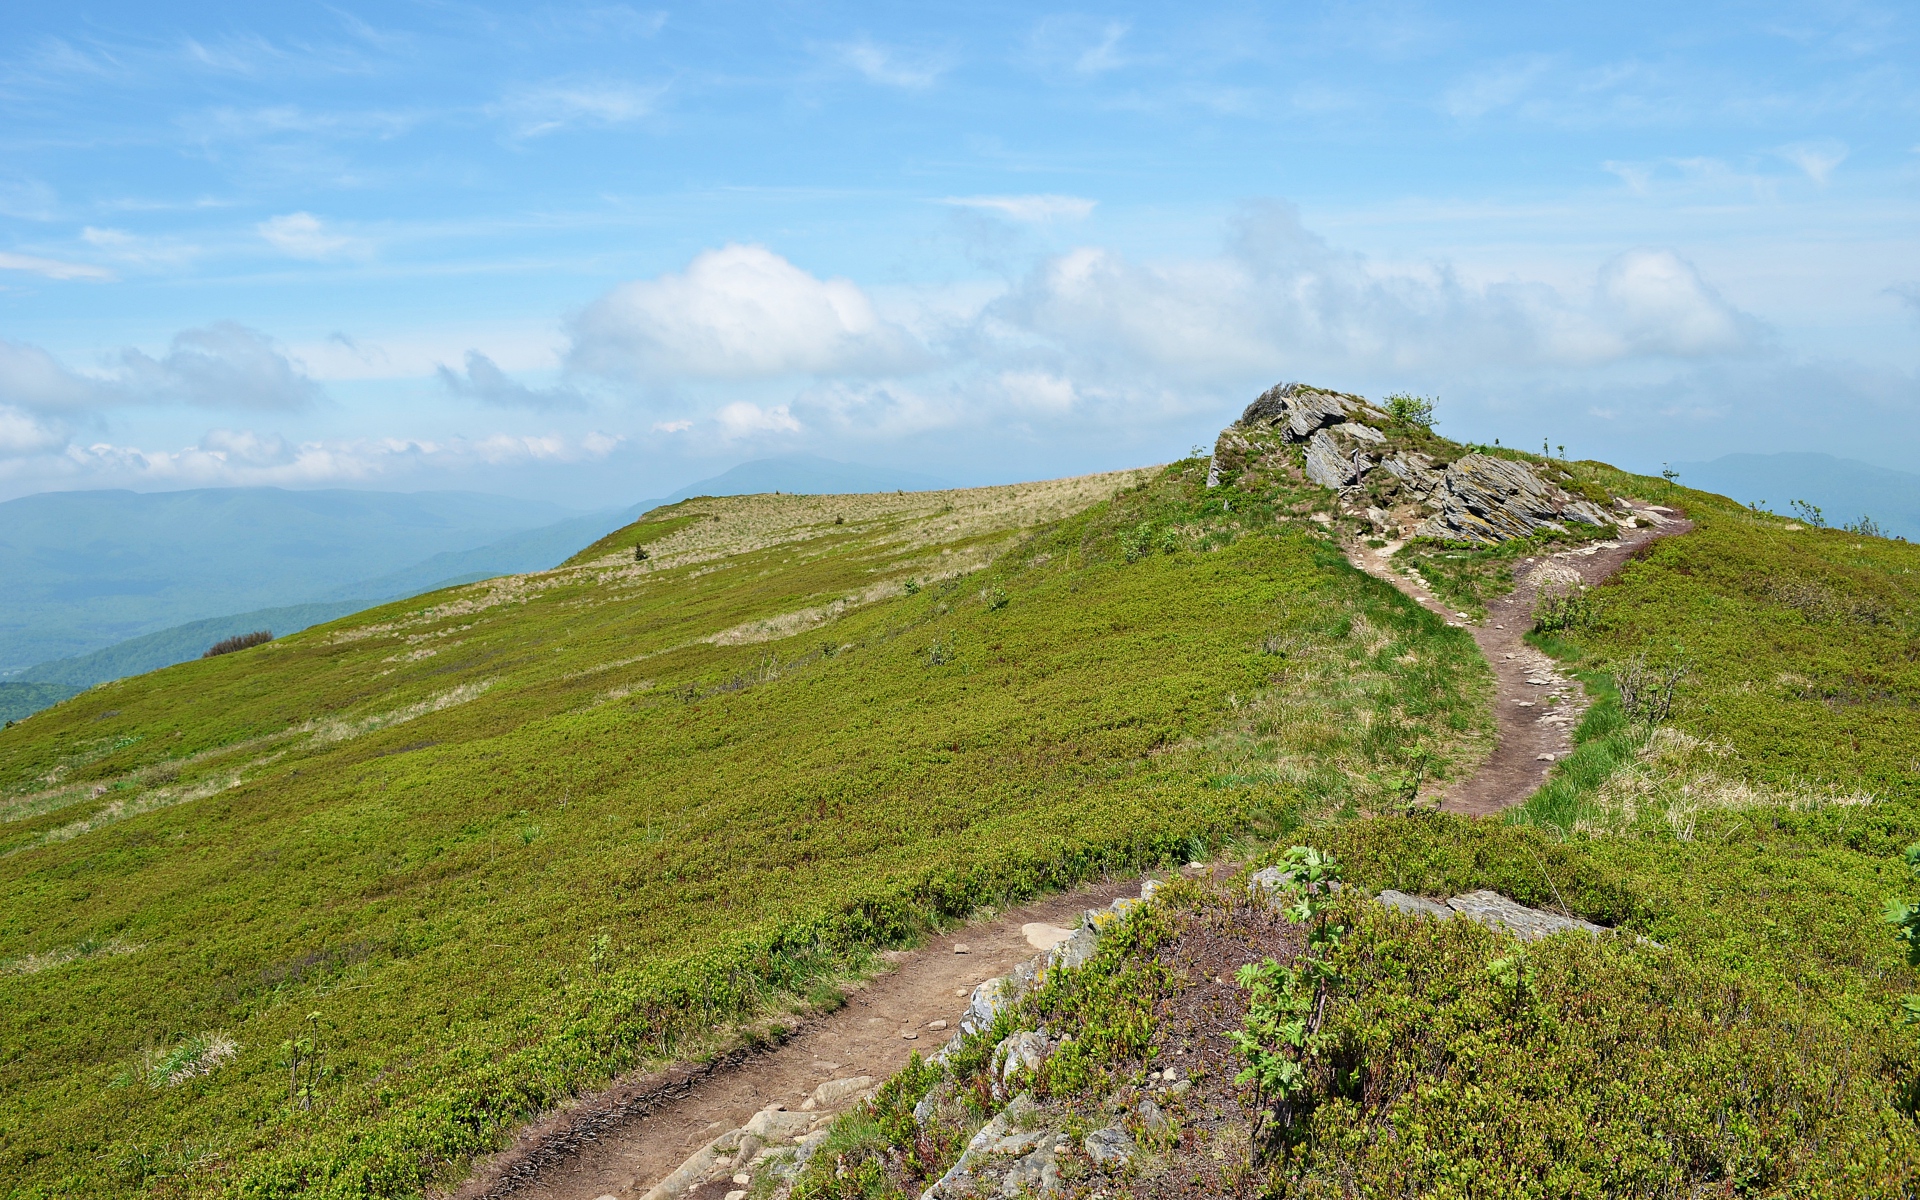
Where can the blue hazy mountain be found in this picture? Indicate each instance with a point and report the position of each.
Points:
(1845, 490)
(85, 570)
(131, 560)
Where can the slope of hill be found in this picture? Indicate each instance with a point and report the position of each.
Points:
(1737, 810)
(186, 552)
(1843, 488)
(326, 916)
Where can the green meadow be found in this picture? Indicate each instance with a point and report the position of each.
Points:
(1746, 1030)
(328, 916)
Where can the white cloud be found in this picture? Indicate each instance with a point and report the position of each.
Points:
(1281, 300)
(1495, 87)
(225, 365)
(486, 382)
(890, 67)
(740, 312)
(1658, 304)
(1077, 45)
(1027, 208)
(1817, 159)
(52, 268)
(303, 235)
(34, 380)
(1104, 55)
(23, 434)
(741, 419)
(558, 105)
(29, 199)
(227, 457)
(139, 251)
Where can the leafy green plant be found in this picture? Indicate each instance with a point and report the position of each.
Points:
(305, 1060)
(1411, 411)
(1281, 1037)
(997, 598)
(1809, 514)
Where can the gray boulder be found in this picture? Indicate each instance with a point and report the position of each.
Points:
(1489, 500)
(1333, 462)
(990, 1153)
(1110, 1148)
(1076, 950)
(1495, 911)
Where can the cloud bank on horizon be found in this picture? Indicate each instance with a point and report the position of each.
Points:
(592, 254)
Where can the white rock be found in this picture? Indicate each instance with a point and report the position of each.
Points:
(836, 1092)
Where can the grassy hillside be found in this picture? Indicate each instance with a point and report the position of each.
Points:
(1744, 1034)
(326, 916)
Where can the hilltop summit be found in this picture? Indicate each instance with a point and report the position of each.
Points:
(1408, 481)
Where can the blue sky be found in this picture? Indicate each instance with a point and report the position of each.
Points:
(590, 253)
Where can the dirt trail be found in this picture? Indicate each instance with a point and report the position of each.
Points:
(622, 1141)
(1536, 706)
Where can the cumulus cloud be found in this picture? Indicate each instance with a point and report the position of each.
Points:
(1656, 303)
(741, 419)
(23, 433)
(33, 380)
(225, 365)
(486, 382)
(1280, 298)
(303, 235)
(247, 458)
(1027, 208)
(740, 312)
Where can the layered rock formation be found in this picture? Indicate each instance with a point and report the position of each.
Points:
(1347, 444)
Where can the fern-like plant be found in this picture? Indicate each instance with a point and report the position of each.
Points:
(1287, 1005)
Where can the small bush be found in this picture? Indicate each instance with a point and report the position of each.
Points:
(258, 637)
(1410, 411)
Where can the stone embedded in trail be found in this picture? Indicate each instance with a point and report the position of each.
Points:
(1042, 936)
(835, 1092)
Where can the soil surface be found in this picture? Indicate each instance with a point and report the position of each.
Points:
(1536, 705)
(622, 1141)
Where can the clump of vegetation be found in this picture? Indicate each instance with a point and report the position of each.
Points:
(244, 641)
(1283, 1036)
(1411, 411)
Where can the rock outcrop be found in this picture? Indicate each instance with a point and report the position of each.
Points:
(1351, 446)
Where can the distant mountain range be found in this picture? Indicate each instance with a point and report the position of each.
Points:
(1843, 489)
(107, 584)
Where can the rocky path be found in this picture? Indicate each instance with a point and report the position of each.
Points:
(1536, 706)
(624, 1141)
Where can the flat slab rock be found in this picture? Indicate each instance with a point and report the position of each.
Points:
(1495, 910)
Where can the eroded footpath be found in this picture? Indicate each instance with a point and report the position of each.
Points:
(1537, 705)
(628, 1140)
